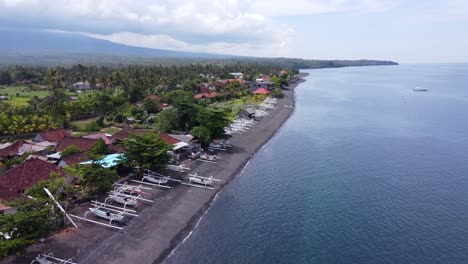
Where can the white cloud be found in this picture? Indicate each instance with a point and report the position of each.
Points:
(244, 27)
(161, 41)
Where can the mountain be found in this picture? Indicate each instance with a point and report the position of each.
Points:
(47, 48)
(39, 43)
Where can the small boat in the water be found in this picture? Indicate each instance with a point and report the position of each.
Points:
(420, 89)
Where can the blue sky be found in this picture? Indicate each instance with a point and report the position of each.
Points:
(405, 31)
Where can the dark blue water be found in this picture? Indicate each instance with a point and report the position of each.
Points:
(365, 171)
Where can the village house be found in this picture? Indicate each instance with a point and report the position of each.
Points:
(81, 85)
(205, 96)
(55, 135)
(83, 144)
(157, 99)
(15, 181)
(99, 135)
(178, 145)
(237, 75)
(261, 90)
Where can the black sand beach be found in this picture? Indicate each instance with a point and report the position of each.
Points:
(161, 226)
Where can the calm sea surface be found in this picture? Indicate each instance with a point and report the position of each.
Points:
(365, 171)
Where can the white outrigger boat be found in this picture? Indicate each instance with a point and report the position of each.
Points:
(195, 178)
(122, 199)
(117, 217)
(207, 157)
(202, 181)
(50, 259)
(156, 178)
(130, 189)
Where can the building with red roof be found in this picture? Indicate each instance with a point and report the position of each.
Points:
(72, 159)
(11, 150)
(7, 194)
(99, 135)
(27, 174)
(169, 140)
(261, 91)
(83, 144)
(55, 135)
(157, 99)
(205, 95)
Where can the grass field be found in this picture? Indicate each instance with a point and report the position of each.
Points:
(25, 95)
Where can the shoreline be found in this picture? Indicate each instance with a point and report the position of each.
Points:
(193, 223)
(162, 226)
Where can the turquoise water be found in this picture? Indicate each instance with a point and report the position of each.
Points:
(365, 171)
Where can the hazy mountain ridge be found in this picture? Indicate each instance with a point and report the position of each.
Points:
(55, 48)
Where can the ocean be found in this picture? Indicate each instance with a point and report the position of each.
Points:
(366, 170)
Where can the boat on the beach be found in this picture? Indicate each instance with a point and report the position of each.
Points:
(156, 179)
(123, 199)
(208, 157)
(201, 180)
(128, 189)
(107, 215)
(50, 259)
(420, 89)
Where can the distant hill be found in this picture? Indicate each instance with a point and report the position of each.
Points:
(63, 49)
(45, 43)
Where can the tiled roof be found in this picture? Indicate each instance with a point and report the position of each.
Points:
(75, 158)
(83, 144)
(55, 135)
(99, 135)
(261, 91)
(169, 140)
(157, 100)
(27, 174)
(125, 133)
(6, 194)
(206, 95)
(211, 95)
(11, 150)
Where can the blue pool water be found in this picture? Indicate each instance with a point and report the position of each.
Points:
(365, 171)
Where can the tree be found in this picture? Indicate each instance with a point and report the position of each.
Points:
(150, 106)
(58, 184)
(99, 150)
(72, 149)
(215, 121)
(202, 133)
(97, 179)
(167, 120)
(147, 151)
(190, 86)
(34, 219)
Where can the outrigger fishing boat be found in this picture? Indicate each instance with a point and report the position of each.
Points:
(107, 215)
(207, 157)
(154, 177)
(123, 199)
(129, 189)
(50, 259)
(202, 181)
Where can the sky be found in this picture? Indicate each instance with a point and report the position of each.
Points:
(407, 31)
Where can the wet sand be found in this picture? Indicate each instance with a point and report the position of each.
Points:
(162, 225)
